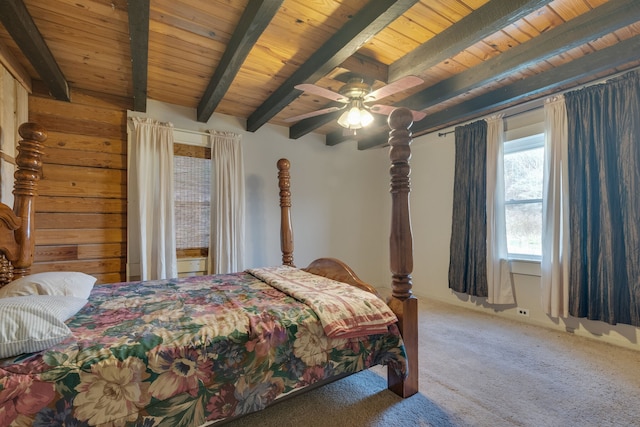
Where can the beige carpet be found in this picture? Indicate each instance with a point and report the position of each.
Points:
(479, 370)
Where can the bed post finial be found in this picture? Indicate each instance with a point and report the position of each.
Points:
(286, 230)
(27, 175)
(402, 301)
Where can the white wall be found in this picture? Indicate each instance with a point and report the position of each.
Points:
(431, 208)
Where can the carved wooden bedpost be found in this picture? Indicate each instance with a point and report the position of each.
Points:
(27, 175)
(286, 230)
(402, 301)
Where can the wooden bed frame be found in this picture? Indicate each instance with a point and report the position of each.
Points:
(402, 301)
(17, 225)
(17, 232)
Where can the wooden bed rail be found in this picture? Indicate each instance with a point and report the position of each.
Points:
(17, 242)
(402, 301)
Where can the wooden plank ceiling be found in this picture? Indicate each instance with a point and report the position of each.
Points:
(244, 58)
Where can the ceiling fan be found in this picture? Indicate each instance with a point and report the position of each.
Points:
(356, 95)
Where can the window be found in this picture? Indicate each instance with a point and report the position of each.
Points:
(192, 193)
(523, 179)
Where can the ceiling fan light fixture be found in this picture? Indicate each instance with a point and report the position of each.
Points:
(355, 117)
(353, 95)
(366, 118)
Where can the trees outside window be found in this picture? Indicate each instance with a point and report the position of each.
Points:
(523, 176)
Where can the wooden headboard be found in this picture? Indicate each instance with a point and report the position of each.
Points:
(17, 225)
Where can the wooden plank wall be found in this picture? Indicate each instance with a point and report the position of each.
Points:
(81, 209)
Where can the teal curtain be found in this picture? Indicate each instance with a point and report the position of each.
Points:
(604, 187)
(468, 248)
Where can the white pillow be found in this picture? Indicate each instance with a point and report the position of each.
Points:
(69, 283)
(35, 323)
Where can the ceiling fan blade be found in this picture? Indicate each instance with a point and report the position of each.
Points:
(399, 85)
(418, 115)
(320, 91)
(387, 109)
(312, 114)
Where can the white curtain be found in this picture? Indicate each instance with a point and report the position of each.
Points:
(500, 288)
(152, 204)
(555, 211)
(226, 245)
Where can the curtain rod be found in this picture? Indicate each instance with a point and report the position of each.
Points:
(514, 111)
(195, 132)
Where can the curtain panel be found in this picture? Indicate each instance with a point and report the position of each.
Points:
(226, 246)
(468, 248)
(604, 184)
(151, 218)
(499, 283)
(555, 261)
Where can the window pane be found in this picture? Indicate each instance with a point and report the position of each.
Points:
(524, 228)
(523, 172)
(192, 184)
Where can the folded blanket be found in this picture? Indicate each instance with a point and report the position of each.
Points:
(344, 310)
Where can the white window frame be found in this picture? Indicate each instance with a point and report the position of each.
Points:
(516, 146)
(521, 126)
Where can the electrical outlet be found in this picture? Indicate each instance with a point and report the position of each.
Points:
(523, 311)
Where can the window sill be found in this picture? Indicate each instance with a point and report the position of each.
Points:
(525, 267)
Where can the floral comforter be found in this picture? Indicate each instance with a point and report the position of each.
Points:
(182, 352)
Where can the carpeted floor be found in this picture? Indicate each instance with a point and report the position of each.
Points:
(480, 370)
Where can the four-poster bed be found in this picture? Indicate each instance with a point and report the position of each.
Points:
(185, 349)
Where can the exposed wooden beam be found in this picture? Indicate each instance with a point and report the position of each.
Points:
(15, 69)
(17, 21)
(367, 67)
(478, 25)
(370, 20)
(486, 20)
(580, 69)
(139, 42)
(580, 30)
(305, 126)
(254, 20)
(587, 27)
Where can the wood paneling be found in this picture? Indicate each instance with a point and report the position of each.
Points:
(84, 204)
(53, 236)
(107, 278)
(80, 221)
(102, 266)
(90, 40)
(85, 143)
(74, 188)
(97, 159)
(81, 214)
(96, 63)
(84, 252)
